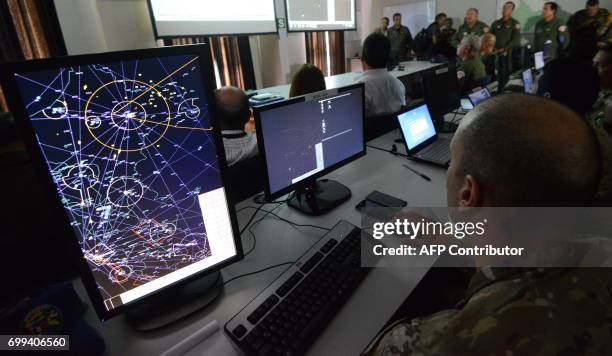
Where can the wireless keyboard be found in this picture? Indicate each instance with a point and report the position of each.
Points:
(287, 317)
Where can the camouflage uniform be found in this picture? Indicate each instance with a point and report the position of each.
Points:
(604, 192)
(549, 39)
(509, 311)
(508, 34)
(585, 32)
(401, 43)
(479, 29)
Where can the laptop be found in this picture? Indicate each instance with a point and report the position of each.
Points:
(420, 137)
(539, 60)
(528, 81)
(478, 96)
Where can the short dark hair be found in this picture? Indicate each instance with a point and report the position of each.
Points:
(232, 112)
(376, 50)
(440, 15)
(553, 6)
(511, 3)
(512, 149)
(573, 83)
(474, 9)
(397, 14)
(308, 79)
(592, 3)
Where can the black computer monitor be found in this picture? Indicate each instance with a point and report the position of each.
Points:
(441, 92)
(130, 153)
(305, 138)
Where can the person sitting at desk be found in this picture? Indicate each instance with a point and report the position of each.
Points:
(308, 79)
(488, 54)
(234, 113)
(471, 70)
(384, 93)
(513, 151)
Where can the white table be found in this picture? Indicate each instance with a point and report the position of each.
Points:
(341, 80)
(379, 296)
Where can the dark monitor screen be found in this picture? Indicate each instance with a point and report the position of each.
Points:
(306, 137)
(128, 142)
(441, 91)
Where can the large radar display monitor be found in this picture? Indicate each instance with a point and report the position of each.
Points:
(128, 143)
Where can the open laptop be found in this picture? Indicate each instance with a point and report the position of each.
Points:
(478, 96)
(539, 60)
(420, 137)
(528, 83)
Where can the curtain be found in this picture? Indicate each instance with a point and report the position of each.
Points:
(29, 29)
(231, 57)
(316, 51)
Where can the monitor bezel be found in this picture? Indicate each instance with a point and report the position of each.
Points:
(169, 37)
(289, 30)
(52, 198)
(271, 196)
(425, 143)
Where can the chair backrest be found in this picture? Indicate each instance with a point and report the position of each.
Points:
(246, 178)
(377, 126)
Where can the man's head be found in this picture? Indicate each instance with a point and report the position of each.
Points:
(384, 23)
(603, 63)
(232, 108)
(471, 16)
(397, 19)
(592, 7)
(520, 150)
(571, 82)
(549, 10)
(449, 23)
(508, 9)
(441, 19)
(376, 51)
(487, 45)
(469, 46)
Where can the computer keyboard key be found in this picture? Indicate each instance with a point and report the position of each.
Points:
(239, 331)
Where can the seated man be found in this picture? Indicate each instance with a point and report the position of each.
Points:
(518, 150)
(233, 113)
(384, 94)
(471, 70)
(488, 54)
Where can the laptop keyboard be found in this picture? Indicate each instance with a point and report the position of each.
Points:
(439, 151)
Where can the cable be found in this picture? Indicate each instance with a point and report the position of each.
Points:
(258, 271)
(250, 219)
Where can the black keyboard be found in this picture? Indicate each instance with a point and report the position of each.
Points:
(286, 318)
(439, 151)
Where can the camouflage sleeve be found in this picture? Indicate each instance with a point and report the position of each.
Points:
(515, 41)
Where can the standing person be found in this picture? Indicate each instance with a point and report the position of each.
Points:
(435, 29)
(507, 30)
(584, 28)
(401, 40)
(384, 26)
(472, 27)
(551, 35)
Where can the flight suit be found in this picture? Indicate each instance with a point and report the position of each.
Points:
(479, 29)
(549, 39)
(585, 31)
(401, 43)
(508, 34)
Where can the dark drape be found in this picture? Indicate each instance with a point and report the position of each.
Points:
(232, 57)
(316, 51)
(29, 29)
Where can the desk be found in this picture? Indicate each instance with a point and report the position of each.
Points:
(378, 297)
(341, 80)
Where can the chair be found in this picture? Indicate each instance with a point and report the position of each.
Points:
(246, 178)
(377, 126)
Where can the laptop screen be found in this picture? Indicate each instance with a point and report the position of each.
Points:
(479, 96)
(539, 60)
(528, 81)
(417, 126)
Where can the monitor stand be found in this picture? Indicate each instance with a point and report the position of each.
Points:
(175, 303)
(443, 126)
(319, 198)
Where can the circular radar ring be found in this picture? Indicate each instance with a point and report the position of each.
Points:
(129, 125)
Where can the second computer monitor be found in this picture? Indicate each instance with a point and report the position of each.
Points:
(441, 91)
(304, 138)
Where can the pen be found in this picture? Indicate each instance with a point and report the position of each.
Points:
(417, 172)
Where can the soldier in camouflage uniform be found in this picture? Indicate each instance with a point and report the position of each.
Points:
(517, 311)
(471, 26)
(585, 27)
(401, 40)
(551, 35)
(507, 30)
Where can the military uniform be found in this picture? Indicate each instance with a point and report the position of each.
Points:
(549, 39)
(510, 311)
(479, 29)
(401, 43)
(585, 31)
(508, 34)
(474, 70)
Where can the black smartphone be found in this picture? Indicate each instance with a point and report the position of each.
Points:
(386, 200)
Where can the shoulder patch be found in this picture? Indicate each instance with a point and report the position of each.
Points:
(517, 26)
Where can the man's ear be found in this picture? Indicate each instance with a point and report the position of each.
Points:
(470, 193)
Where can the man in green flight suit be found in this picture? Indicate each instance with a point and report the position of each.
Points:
(585, 27)
(508, 33)
(551, 35)
(401, 40)
(471, 26)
